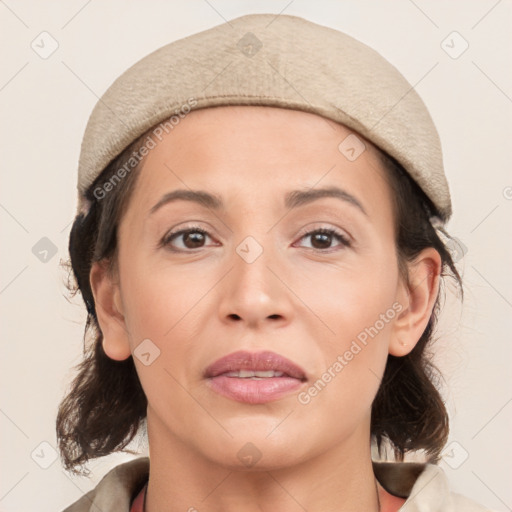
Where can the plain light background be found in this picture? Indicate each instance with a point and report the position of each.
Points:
(45, 104)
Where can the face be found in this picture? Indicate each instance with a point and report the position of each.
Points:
(313, 279)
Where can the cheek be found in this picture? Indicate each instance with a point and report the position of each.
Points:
(159, 300)
(351, 297)
(163, 305)
(357, 307)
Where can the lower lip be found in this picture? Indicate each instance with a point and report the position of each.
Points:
(254, 391)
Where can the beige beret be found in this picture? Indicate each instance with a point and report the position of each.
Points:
(281, 61)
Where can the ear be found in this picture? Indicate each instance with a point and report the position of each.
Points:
(417, 298)
(109, 311)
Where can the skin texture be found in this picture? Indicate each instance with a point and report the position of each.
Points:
(305, 300)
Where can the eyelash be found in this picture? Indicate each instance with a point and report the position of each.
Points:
(344, 241)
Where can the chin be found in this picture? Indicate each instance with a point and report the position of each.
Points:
(255, 450)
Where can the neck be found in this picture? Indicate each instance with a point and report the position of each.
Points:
(180, 479)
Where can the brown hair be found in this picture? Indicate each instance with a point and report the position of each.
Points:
(106, 406)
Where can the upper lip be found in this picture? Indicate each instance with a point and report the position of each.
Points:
(256, 361)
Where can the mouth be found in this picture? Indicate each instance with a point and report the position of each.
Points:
(254, 377)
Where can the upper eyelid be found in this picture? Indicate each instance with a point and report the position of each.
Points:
(320, 227)
(303, 231)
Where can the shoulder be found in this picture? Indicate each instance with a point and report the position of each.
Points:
(116, 489)
(425, 487)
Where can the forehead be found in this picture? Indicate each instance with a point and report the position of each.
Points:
(258, 152)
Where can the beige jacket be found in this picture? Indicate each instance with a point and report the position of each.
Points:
(424, 485)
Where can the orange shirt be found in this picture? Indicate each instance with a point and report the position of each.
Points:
(389, 502)
(138, 502)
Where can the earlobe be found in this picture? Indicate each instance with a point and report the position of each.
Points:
(109, 311)
(418, 298)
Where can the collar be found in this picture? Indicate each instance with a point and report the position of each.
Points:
(423, 485)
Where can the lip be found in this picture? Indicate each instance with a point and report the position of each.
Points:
(254, 391)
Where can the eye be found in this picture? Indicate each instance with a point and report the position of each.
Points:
(191, 238)
(322, 238)
(195, 237)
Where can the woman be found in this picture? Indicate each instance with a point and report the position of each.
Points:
(258, 246)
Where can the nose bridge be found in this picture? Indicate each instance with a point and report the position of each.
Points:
(258, 246)
(251, 265)
(252, 292)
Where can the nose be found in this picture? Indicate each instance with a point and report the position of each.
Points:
(254, 292)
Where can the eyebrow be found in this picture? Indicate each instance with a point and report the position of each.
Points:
(293, 199)
(298, 198)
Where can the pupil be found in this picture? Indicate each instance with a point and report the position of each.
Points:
(196, 239)
(322, 237)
